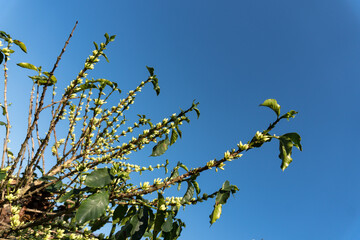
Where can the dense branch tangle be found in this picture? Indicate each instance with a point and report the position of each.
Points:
(89, 176)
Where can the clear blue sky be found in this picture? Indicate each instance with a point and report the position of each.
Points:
(230, 56)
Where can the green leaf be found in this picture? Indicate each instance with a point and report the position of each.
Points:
(160, 216)
(174, 137)
(295, 139)
(21, 45)
(2, 123)
(160, 148)
(2, 174)
(178, 130)
(96, 46)
(3, 110)
(98, 178)
(272, 103)
(216, 213)
(156, 86)
(106, 58)
(66, 196)
(183, 166)
(55, 187)
(151, 70)
(53, 78)
(4, 35)
(1, 57)
(106, 35)
(174, 173)
(143, 216)
(189, 193)
(112, 38)
(168, 224)
(119, 213)
(92, 208)
(285, 151)
(28, 66)
(84, 86)
(99, 223)
(42, 80)
(197, 187)
(289, 115)
(197, 112)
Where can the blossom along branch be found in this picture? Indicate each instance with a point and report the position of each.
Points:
(89, 184)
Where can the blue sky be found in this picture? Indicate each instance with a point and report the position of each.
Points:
(230, 56)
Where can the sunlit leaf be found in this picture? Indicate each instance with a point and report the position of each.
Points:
(216, 213)
(21, 45)
(272, 103)
(285, 151)
(174, 137)
(27, 65)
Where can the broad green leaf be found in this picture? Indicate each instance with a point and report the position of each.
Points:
(295, 139)
(189, 193)
(285, 151)
(168, 224)
(84, 86)
(53, 78)
(174, 136)
(272, 103)
(160, 216)
(93, 207)
(289, 115)
(1, 57)
(42, 80)
(160, 148)
(143, 216)
(2, 174)
(174, 173)
(124, 232)
(98, 178)
(21, 45)
(2, 123)
(151, 70)
(178, 130)
(119, 213)
(156, 86)
(216, 213)
(99, 223)
(28, 66)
